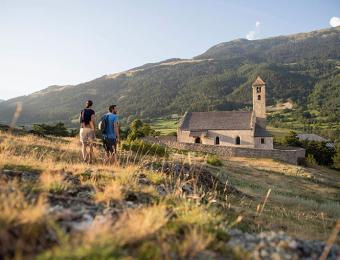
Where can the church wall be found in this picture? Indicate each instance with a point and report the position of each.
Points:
(183, 137)
(228, 137)
(268, 142)
(291, 155)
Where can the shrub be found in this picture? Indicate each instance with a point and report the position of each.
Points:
(336, 158)
(174, 133)
(214, 160)
(142, 148)
(321, 153)
(292, 139)
(139, 129)
(310, 160)
(58, 129)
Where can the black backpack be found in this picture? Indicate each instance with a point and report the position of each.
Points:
(103, 123)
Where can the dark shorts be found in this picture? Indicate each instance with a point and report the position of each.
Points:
(110, 145)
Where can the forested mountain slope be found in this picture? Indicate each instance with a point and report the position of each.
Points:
(303, 67)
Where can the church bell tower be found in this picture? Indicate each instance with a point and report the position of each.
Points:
(259, 101)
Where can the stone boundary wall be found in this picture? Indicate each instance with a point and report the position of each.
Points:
(290, 155)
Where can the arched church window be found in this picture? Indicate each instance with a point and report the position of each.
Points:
(259, 97)
(238, 140)
(217, 140)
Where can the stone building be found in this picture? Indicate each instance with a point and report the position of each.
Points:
(229, 128)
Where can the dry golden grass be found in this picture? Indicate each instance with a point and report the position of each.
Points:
(53, 182)
(52, 158)
(134, 225)
(155, 177)
(112, 191)
(302, 201)
(15, 209)
(194, 242)
(193, 214)
(127, 176)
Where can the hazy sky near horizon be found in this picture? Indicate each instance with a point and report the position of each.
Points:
(59, 42)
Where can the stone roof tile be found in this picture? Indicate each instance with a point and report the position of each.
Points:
(261, 132)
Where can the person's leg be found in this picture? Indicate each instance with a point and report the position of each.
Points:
(107, 157)
(90, 153)
(86, 139)
(114, 151)
(107, 151)
(83, 151)
(113, 158)
(91, 138)
(83, 143)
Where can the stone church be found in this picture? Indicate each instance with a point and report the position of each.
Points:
(230, 128)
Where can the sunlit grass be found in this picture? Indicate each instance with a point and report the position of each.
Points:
(53, 182)
(155, 177)
(167, 224)
(15, 208)
(112, 191)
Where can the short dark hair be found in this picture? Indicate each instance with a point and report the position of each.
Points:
(112, 107)
(89, 103)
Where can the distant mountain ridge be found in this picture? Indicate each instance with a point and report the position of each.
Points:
(303, 67)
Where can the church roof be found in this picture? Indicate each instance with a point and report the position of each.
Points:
(219, 120)
(261, 132)
(258, 82)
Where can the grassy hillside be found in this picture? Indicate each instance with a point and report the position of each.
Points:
(303, 68)
(176, 207)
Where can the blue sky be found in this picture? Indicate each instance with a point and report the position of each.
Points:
(48, 42)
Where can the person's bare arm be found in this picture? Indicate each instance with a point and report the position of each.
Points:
(81, 123)
(92, 124)
(116, 127)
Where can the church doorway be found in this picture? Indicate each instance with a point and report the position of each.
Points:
(238, 140)
(198, 140)
(217, 140)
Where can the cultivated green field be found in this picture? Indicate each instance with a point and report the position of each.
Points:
(165, 126)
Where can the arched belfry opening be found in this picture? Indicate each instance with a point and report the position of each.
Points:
(198, 140)
(238, 140)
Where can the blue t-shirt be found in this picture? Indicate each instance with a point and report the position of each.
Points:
(110, 132)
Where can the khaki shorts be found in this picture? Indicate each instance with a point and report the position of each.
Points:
(87, 135)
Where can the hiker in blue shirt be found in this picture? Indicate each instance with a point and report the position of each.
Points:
(111, 134)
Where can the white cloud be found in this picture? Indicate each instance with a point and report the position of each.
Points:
(334, 21)
(252, 35)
